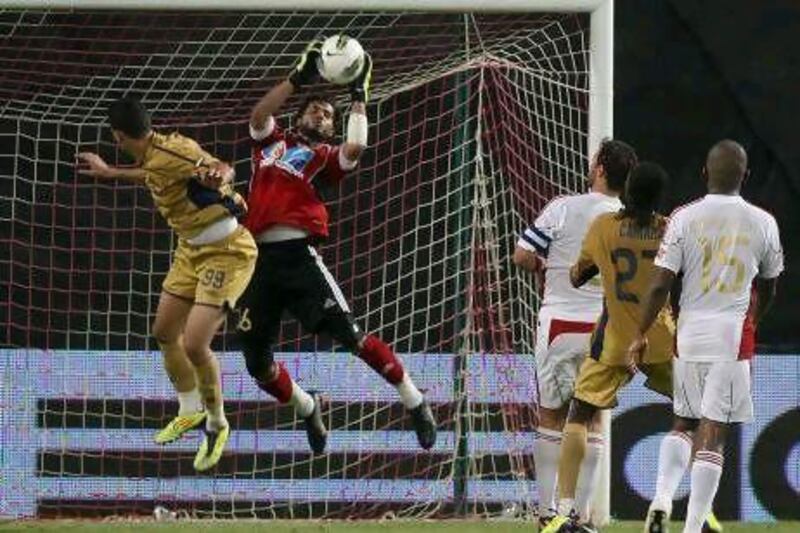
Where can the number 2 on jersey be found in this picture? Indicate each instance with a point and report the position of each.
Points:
(626, 265)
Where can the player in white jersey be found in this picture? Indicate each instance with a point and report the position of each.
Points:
(567, 315)
(721, 244)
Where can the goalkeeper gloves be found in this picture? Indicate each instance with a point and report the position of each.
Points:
(359, 87)
(305, 70)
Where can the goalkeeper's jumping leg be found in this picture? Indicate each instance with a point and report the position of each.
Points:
(382, 359)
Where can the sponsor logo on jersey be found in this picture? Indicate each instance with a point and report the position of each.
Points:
(293, 160)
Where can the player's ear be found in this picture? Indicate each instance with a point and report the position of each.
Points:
(746, 175)
(704, 174)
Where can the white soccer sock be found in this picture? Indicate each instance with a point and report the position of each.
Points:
(216, 417)
(189, 402)
(409, 393)
(673, 460)
(587, 477)
(546, 451)
(706, 471)
(565, 506)
(302, 401)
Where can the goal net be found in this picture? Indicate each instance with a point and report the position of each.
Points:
(476, 122)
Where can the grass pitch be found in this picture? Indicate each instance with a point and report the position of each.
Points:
(304, 526)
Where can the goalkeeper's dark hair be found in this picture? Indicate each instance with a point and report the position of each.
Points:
(644, 191)
(617, 158)
(129, 116)
(310, 99)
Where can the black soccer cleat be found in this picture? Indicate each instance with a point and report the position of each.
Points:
(316, 431)
(424, 425)
(657, 522)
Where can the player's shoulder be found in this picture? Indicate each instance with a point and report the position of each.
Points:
(687, 208)
(686, 211)
(175, 143)
(554, 209)
(607, 219)
(573, 203)
(560, 201)
(760, 214)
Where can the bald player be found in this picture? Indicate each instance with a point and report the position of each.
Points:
(721, 244)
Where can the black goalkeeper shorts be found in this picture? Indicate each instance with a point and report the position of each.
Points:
(290, 275)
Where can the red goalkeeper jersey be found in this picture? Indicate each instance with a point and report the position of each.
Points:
(286, 170)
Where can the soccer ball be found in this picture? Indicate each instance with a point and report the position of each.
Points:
(341, 59)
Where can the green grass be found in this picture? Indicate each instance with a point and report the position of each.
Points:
(302, 526)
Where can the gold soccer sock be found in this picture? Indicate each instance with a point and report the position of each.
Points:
(210, 385)
(573, 449)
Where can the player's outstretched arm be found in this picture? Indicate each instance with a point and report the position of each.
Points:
(305, 72)
(96, 167)
(357, 124)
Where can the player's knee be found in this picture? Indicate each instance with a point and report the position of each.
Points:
(259, 362)
(164, 334)
(684, 425)
(552, 419)
(345, 332)
(581, 412)
(711, 435)
(197, 351)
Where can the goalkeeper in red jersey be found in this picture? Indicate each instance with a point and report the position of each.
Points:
(288, 218)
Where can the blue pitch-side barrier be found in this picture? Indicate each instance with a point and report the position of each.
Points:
(29, 376)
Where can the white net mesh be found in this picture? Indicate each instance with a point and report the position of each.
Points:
(477, 122)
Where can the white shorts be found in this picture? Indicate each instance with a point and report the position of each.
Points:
(561, 346)
(718, 391)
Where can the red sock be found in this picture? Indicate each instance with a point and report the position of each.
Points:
(281, 385)
(382, 359)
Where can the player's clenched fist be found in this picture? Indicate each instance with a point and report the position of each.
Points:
(215, 175)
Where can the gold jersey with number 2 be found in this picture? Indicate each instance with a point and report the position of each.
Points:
(624, 252)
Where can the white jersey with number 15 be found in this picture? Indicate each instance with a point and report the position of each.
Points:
(720, 243)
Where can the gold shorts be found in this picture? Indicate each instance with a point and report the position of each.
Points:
(213, 274)
(598, 383)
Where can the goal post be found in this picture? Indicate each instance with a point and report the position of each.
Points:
(483, 111)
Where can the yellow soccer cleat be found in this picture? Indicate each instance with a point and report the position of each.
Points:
(211, 449)
(555, 524)
(178, 426)
(712, 524)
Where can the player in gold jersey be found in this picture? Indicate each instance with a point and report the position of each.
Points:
(212, 264)
(621, 248)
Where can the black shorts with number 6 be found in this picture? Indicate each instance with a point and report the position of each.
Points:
(290, 275)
